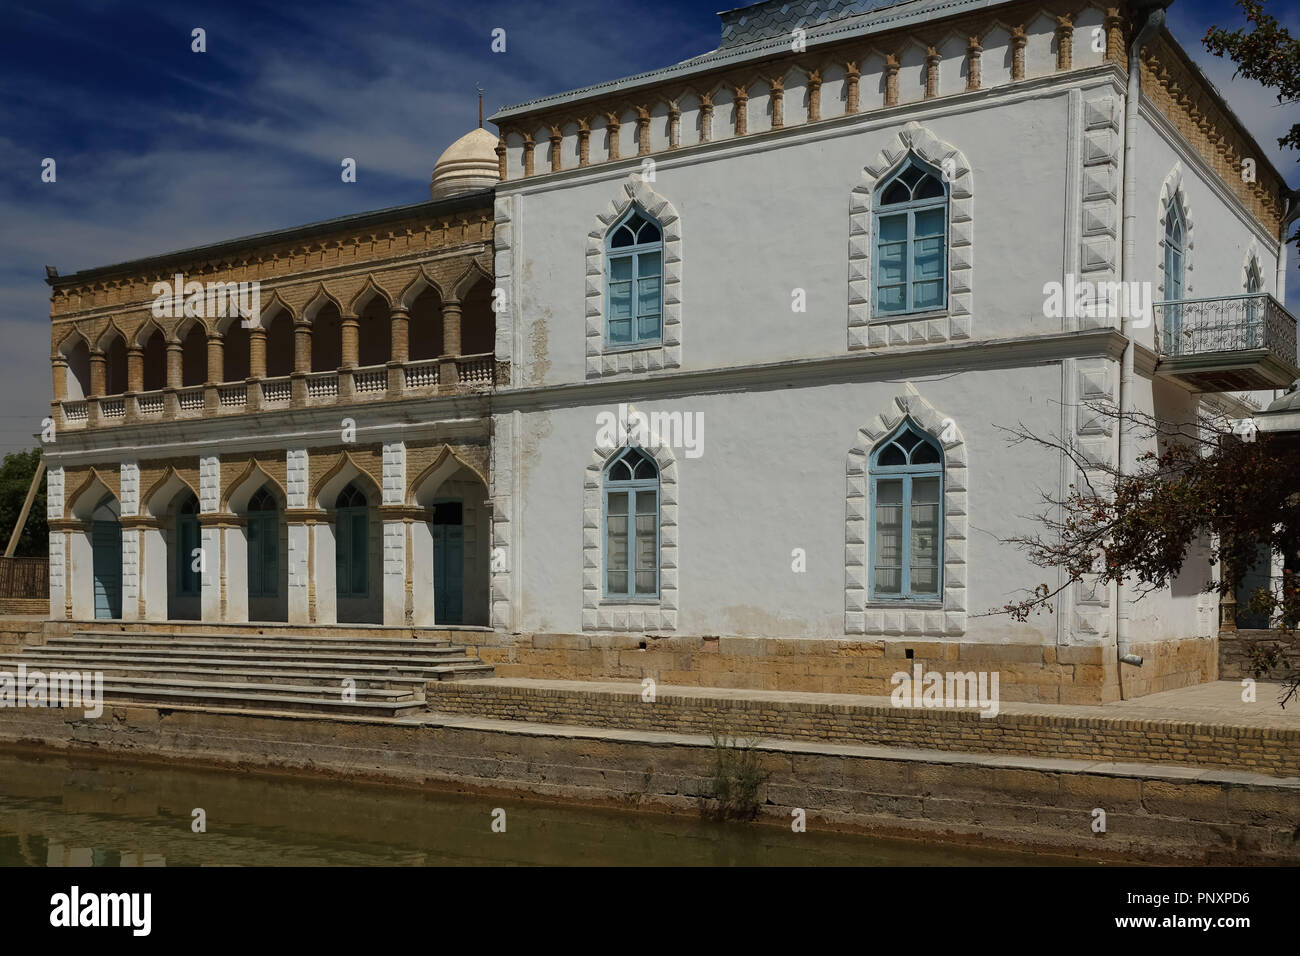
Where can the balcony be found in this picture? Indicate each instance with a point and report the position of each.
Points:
(394, 381)
(1226, 344)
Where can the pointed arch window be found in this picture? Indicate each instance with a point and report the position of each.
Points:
(907, 516)
(911, 261)
(263, 545)
(634, 281)
(1175, 250)
(631, 526)
(187, 543)
(351, 543)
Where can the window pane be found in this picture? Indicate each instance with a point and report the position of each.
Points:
(928, 295)
(648, 296)
(646, 557)
(891, 455)
(927, 454)
(645, 582)
(622, 238)
(620, 330)
(896, 192)
(648, 233)
(892, 267)
(927, 258)
(893, 228)
(925, 535)
(889, 536)
(616, 542)
(649, 264)
(930, 188)
(929, 223)
(620, 267)
(620, 300)
(891, 299)
(647, 328)
(359, 554)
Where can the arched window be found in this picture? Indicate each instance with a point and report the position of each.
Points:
(1254, 282)
(907, 517)
(351, 544)
(263, 545)
(187, 542)
(634, 252)
(911, 262)
(632, 525)
(1175, 250)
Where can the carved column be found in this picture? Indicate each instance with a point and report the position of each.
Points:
(891, 79)
(642, 131)
(301, 363)
(400, 335)
(814, 96)
(175, 365)
(973, 51)
(706, 117)
(776, 91)
(501, 158)
(1064, 41)
(135, 368)
(98, 371)
(447, 372)
(528, 154)
(1114, 25)
(612, 125)
(216, 372)
(584, 142)
(60, 368)
(852, 74)
(931, 73)
(674, 125)
(742, 109)
(257, 351)
(557, 141)
(1018, 40)
(351, 327)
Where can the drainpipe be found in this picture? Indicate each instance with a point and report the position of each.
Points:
(1151, 15)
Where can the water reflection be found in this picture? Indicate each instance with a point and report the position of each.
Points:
(59, 811)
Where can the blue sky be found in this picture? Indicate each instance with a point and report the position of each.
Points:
(160, 148)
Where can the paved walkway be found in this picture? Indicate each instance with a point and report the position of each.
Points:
(1218, 702)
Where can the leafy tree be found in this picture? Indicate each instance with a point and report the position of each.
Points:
(16, 473)
(1203, 482)
(1268, 54)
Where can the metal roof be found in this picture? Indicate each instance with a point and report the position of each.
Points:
(763, 30)
(430, 207)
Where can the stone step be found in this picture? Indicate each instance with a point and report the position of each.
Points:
(114, 687)
(400, 667)
(258, 700)
(273, 645)
(254, 673)
(344, 639)
(236, 655)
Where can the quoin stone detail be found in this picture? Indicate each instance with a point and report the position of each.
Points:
(669, 353)
(860, 615)
(953, 322)
(659, 614)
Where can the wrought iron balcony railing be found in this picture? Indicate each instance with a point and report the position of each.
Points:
(1235, 323)
(1245, 341)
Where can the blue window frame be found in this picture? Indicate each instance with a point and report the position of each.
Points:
(634, 282)
(187, 542)
(1175, 250)
(351, 544)
(631, 525)
(263, 545)
(907, 516)
(910, 268)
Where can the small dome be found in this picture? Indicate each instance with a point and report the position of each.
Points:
(466, 166)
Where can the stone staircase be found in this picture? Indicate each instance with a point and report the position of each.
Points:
(347, 675)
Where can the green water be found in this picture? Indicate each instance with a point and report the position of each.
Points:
(58, 811)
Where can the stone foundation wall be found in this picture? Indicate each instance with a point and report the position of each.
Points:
(1152, 814)
(1029, 673)
(1265, 751)
(1234, 650)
